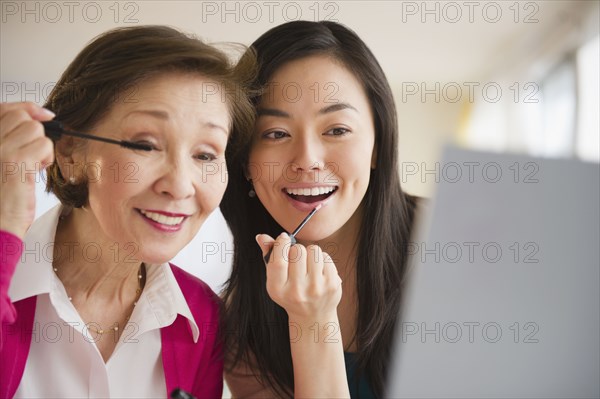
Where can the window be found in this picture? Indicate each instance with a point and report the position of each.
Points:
(588, 117)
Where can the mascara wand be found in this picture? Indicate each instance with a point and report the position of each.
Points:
(55, 129)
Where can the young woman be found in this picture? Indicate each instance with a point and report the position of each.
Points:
(318, 319)
(94, 309)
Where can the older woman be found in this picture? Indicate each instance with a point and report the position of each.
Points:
(90, 305)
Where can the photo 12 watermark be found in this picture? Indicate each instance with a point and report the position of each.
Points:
(53, 12)
(474, 252)
(292, 92)
(273, 12)
(469, 92)
(69, 251)
(452, 12)
(452, 332)
(95, 172)
(470, 172)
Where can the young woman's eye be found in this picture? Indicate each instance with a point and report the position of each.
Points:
(276, 135)
(206, 156)
(337, 131)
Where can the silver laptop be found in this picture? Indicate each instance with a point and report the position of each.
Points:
(502, 297)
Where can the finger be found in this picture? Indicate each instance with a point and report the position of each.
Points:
(268, 248)
(314, 263)
(11, 120)
(265, 242)
(329, 268)
(22, 134)
(281, 247)
(297, 270)
(333, 281)
(42, 151)
(277, 268)
(36, 156)
(35, 111)
(328, 262)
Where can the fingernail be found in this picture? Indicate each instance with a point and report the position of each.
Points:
(47, 112)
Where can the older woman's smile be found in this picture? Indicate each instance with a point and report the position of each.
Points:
(171, 221)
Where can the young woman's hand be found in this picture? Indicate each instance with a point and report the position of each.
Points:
(24, 151)
(302, 280)
(305, 282)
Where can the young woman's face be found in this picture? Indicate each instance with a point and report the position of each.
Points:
(157, 200)
(313, 144)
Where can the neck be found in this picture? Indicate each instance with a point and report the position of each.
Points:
(89, 263)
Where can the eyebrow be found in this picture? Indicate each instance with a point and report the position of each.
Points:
(272, 112)
(165, 116)
(155, 113)
(336, 107)
(217, 127)
(326, 110)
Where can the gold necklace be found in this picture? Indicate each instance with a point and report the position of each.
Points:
(138, 292)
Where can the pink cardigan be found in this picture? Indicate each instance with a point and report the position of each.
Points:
(194, 367)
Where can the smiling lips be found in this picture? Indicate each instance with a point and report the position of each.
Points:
(310, 194)
(164, 221)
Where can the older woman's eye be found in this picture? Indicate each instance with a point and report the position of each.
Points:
(146, 143)
(275, 135)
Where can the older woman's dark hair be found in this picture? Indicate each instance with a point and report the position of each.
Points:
(257, 327)
(108, 70)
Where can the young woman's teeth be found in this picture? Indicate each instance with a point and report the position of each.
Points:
(310, 191)
(162, 219)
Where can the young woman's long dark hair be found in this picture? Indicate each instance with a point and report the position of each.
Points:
(253, 323)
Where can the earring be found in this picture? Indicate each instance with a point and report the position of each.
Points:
(251, 193)
(72, 180)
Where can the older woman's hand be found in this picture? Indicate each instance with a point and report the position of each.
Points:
(24, 151)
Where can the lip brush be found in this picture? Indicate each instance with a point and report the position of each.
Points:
(296, 231)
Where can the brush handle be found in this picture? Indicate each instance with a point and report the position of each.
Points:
(53, 129)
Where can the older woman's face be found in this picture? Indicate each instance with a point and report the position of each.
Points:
(158, 200)
(313, 144)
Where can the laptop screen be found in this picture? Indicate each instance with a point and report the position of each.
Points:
(502, 296)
